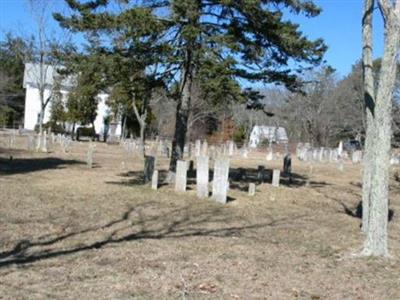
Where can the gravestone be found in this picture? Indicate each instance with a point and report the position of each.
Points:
(31, 143)
(220, 181)
(149, 162)
(204, 149)
(287, 164)
(89, 156)
(38, 142)
(261, 174)
(356, 157)
(276, 178)
(252, 189)
(202, 176)
(197, 147)
(44, 142)
(181, 176)
(340, 149)
(154, 180)
(270, 155)
(321, 154)
(241, 174)
(245, 152)
(230, 148)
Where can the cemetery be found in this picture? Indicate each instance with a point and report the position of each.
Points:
(85, 213)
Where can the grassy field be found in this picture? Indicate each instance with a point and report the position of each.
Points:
(70, 232)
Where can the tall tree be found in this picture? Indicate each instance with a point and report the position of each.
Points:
(379, 120)
(127, 42)
(241, 39)
(44, 50)
(247, 39)
(14, 53)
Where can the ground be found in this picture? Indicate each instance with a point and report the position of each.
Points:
(70, 232)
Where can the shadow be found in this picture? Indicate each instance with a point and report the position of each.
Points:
(240, 178)
(27, 165)
(357, 211)
(141, 223)
(137, 178)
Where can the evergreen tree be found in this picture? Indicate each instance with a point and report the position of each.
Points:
(14, 52)
(241, 39)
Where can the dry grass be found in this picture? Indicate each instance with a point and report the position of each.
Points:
(70, 232)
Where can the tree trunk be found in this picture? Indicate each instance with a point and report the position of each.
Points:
(369, 99)
(143, 137)
(376, 241)
(182, 116)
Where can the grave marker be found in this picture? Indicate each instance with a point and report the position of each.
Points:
(181, 176)
(276, 178)
(220, 181)
(202, 176)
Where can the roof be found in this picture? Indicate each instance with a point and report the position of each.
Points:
(32, 75)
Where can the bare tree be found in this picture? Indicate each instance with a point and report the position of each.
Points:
(379, 126)
(44, 49)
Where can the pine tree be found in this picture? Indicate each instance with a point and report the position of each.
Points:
(241, 39)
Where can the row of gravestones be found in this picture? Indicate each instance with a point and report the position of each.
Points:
(220, 183)
(322, 154)
(42, 142)
(163, 148)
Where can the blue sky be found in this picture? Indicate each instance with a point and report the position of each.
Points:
(339, 25)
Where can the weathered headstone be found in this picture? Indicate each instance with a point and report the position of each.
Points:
(321, 154)
(44, 142)
(31, 143)
(270, 155)
(340, 149)
(149, 162)
(261, 174)
(197, 147)
(204, 149)
(154, 180)
(356, 157)
(287, 164)
(89, 157)
(245, 152)
(230, 148)
(276, 178)
(181, 176)
(252, 189)
(220, 181)
(202, 176)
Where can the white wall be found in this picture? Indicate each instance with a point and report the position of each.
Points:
(32, 110)
(32, 107)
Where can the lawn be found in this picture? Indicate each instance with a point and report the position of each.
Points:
(70, 232)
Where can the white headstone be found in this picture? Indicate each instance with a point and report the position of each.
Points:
(154, 180)
(220, 181)
(202, 176)
(181, 176)
(252, 189)
(276, 178)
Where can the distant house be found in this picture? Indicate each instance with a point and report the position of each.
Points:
(32, 99)
(270, 133)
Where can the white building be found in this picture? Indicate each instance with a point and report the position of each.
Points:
(270, 133)
(32, 99)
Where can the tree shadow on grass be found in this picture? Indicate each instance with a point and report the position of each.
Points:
(240, 179)
(137, 178)
(148, 221)
(356, 211)
(27, 165)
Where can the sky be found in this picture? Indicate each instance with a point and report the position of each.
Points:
(339, 25)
